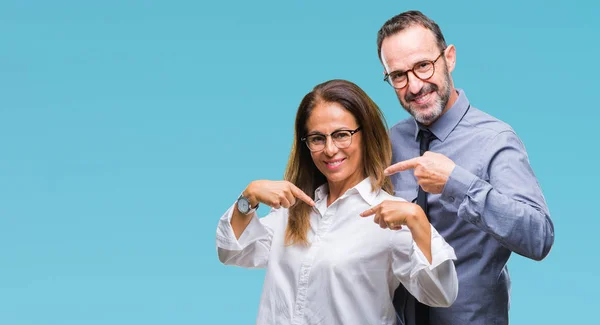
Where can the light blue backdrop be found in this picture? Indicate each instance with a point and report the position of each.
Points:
(128, 127)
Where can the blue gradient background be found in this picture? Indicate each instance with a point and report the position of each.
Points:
(128, 127)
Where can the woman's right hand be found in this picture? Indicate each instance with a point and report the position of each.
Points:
(275, 194)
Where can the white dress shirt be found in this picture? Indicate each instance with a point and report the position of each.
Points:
(349, 272)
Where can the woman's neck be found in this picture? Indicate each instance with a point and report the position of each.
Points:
(337, 189)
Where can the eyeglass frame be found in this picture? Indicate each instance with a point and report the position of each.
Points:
(352, 132)
(387, 75)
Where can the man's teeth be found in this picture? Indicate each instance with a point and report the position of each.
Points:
(422, 98)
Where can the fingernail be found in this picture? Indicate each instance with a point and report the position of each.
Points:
(386, 173)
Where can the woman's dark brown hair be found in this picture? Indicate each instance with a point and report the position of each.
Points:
(301, 170)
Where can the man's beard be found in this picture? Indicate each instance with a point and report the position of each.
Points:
(435, 109)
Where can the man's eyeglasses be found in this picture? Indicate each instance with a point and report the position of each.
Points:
(341, 139)
(422, 70)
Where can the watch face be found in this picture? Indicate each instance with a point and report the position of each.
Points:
(243, 205)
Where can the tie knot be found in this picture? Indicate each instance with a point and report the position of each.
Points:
(425, 137)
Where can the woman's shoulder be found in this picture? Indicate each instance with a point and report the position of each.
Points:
(383, 196)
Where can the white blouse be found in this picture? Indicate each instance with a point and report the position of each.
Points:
(349, 272)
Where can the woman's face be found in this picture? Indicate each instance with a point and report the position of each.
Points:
(340, 166)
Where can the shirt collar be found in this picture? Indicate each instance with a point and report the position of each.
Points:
(449, 120)
(321, 192)
(364, 189)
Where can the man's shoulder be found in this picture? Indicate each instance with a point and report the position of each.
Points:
(485, 123)
(405, 127)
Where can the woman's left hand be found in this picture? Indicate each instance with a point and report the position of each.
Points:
(393, 214)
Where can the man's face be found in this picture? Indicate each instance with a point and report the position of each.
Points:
(425, 100)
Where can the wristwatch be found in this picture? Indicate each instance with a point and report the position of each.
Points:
(243, 205)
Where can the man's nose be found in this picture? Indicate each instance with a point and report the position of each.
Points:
(414, 84)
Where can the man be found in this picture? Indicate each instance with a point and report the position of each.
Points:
(468, 170)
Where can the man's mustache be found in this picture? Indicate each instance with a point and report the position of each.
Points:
(427, 88)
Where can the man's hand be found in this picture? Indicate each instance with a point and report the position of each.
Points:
(431, 170)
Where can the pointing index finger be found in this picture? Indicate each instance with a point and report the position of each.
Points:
(302, 196)
(402, 166)
(369, 212)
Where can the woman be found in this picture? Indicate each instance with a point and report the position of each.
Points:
(327, 264)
